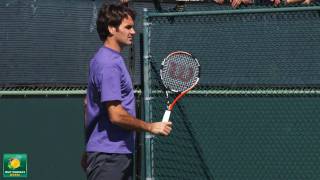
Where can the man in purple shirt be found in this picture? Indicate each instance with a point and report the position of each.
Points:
(110, 122)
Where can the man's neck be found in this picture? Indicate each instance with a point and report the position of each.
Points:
(112, 45)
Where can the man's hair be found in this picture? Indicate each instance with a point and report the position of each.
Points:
(111, 15)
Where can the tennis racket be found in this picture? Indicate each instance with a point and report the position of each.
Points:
(179, 73)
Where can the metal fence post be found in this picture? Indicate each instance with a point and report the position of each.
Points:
(147, 95)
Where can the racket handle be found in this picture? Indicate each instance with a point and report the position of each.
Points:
(166, 116)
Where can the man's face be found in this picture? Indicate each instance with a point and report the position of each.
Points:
(124, 34)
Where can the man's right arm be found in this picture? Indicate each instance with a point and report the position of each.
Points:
(119, 116)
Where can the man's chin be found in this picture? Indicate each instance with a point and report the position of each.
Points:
(127, 43)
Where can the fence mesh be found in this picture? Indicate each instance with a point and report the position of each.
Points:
(254, 114)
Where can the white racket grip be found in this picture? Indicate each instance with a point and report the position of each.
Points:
(166, 116)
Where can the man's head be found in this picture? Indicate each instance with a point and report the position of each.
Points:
(116, 21)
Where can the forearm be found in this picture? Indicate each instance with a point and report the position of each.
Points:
(120, 117)
(293, 1)
(126, 121)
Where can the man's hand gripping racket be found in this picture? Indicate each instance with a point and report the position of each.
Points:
(180, 73)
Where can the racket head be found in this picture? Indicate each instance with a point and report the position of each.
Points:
(180, 71)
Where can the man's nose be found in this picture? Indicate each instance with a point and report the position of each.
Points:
(133, 31)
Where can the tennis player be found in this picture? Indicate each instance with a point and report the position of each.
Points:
(110, 122)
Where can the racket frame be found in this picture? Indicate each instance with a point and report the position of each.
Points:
(170, 106)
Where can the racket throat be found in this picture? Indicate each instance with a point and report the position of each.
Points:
(168, 102)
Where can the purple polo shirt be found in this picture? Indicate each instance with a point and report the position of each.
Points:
(108, 80)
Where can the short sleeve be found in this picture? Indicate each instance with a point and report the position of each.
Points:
(110, 84)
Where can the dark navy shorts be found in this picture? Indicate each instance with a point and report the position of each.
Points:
(106, 166)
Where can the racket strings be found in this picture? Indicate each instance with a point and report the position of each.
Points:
(180, 72)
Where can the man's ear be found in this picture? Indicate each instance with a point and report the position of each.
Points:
(111, 29)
